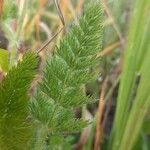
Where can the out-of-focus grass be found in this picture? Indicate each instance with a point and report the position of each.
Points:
(131, 110)
(30, 23)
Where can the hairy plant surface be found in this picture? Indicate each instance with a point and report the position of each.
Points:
(64, 74)
(15, 131)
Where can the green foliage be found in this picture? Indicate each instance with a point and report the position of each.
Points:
(4, 60)
(57, 142)
(65, 72)
(146, 126)
(14, 128)
(131, 110)
(9, 10)
(142, 143)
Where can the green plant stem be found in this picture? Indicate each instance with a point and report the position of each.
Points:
(13, 54)
(14, 42)
(128, 76)
(139, 110)
(134, 125)
(41, 136)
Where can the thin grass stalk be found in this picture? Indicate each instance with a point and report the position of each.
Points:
(14, 45)
(139, 109)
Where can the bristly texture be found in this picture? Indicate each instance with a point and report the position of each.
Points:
(14, 129)
(65, 72)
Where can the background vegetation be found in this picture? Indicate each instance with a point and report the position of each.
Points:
(119, 115)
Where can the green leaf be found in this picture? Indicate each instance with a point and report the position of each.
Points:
(146, 126)
(141, 143)
(4, 65)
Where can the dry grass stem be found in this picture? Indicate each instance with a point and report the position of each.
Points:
(98, 134)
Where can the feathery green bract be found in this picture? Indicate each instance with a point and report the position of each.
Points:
(65, 72)
(14, 129)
